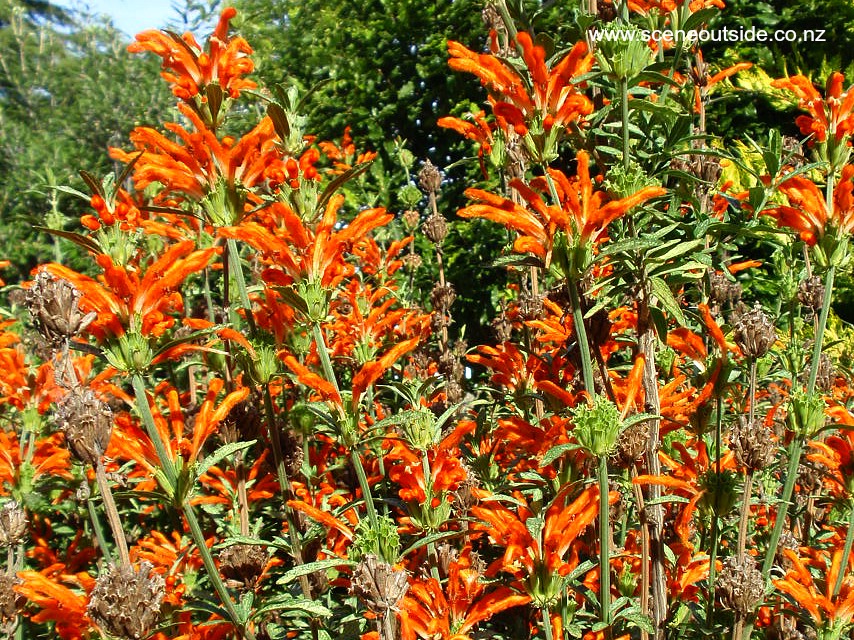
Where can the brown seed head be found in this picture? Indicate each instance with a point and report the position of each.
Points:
(429, 178)
(755, 333)
(811, 293)
(740, 585)
(126, 601)
(242, 564)
(13, 524)
(53, 306)
(11, 602)
(631, 444)
(379, 585)
(87, 423)
(435, 227)
(722, 290)
(411, 218)
(752, 443)
(442, 297)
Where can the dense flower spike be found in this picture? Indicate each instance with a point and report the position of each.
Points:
(191, 69)
(552, 98)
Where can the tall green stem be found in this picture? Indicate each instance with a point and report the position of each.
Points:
(581, 337)
(604, 542)
(846, 553)
(822, 325)
(624, 112)
(168, 468)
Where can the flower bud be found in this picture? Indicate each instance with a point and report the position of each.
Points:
(597, 426)
(806, 413)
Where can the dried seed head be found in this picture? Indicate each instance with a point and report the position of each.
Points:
(787, 542)
(826, 374)
(379, 585)
(722, 290)
(752, 444)
(631, 444)
(811, 293)
(429, 178)
(454, 391)
(442, 297)
(53, 306)
(13, 524)
(87, 423)
(242, 423)
(11, 602)
(755, 333)
(412, 260)
(126, 601)
(740, 585)
(447, 556)
(502, 326)
(411, 218)
(530, 306)
(292, 451)
(242, 564)
(435, 227)
(606, 11)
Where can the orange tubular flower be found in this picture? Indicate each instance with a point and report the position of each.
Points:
(814, 591)
(430, 612)
(189, 69)
(582, 214)
(554, 99)
(61, 598)
(302, 253)
(832, 116)
(200, 162)
(540, 565)
(666, 6)
(131, 302)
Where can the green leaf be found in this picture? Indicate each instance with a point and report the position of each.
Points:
(340, 180)
(433, 537)
(311, 567)
(223, 452)
(310, 608)
(556, 452)
(666, 299)
(78, 239)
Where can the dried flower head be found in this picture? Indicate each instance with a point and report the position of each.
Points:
(429, 178)
(126, 601)
(411, 218)
(242, 564)
(752, 444)
(755, 334)
(722, 290)
(740, 585)
(242, 423)
(811, 293)
(631, 444)
(13, 524)
(435, 227)
(442, 297)
(53, 306)
(11, 602)
(379, 585)
(87, 423)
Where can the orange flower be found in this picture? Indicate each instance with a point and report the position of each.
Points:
(61, 598)
(836, 454)
(476, 128)
(540, 563)
(190, 70)
(301, 252)
(128, 301)
(582, 214)
(554, 99)
(808, 211)
(829, 116)
(344, 156)
(200, 163)
(666, 6)
(428, 611)
(813, 590)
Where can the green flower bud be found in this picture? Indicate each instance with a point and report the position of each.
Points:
(806, 413)
(383, 542)
(316, 299)
(130, 353)
(720, 494)
(597, 426)
(263, 366)
(420, 429)
(622, 53)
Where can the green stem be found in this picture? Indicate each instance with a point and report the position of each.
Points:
(237, 270)
(432, 556)
(604, 542)
(624, 108)
(99, 531)
(323, 354)
(791, 476)
(208, 561)
(822, 325)
(366, 488)
(581, 337)
(547, 624)
(846, 553)
(713, 559)
(168, 468)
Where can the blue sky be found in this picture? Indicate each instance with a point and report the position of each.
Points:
(130, 16)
